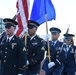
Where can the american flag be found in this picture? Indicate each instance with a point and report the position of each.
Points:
(22, 16)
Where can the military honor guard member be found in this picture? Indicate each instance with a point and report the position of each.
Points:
(57, 54)
(12, 51)
(70, 63)
(35, 50)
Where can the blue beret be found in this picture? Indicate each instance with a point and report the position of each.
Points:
(54, 29)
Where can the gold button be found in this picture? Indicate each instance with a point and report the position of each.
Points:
(14, 65)
(57, 56)
(5, 52)
(5, 56)
(1, 51)
(33, 54)
(4, 60)
(6, 48)
(57, 52)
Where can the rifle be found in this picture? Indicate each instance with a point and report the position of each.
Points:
(15, 16)
(67, 29)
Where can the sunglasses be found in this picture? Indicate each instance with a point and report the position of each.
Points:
(67, 39)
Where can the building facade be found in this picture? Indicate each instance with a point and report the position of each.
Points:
(1, 25)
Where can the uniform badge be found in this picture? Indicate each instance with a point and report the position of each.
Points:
(24, 49)
(35, 43)
(58, 52)
(72, 51)
(64, 49)
(13, 44)
(42, 48)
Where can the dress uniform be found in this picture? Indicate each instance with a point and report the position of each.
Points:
(35, 51)
(70, 64)
(12, 52)
(58, 55)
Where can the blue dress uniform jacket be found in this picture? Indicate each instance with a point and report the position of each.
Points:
(35, 54)
(70, 65)
(58, 56)
(12, 57)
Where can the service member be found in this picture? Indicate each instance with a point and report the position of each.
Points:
(70, 64)
(35, 49)
(12, 51)
(57, 54)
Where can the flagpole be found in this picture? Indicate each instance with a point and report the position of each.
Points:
(47, 39)
(26, 38)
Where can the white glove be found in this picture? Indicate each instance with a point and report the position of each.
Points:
(46, 37)
(27, 63)
(21, 35)
(23, 32)
(75, 73)
(51, 64)
(20, 74)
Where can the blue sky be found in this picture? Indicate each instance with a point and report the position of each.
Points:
(65, 14)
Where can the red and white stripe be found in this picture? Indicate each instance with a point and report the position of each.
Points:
(22, 16)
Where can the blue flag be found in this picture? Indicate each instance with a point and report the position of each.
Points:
(40, 8)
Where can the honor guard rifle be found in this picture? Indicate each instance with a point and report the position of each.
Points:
(67, 29)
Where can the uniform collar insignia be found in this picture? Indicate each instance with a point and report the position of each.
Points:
(72, 51)
(13, 38)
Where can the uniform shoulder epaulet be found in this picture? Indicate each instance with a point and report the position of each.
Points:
(40, 39)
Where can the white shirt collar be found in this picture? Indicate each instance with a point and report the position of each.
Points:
(55, 41)
(69, 46)
(10, 38)
(33, 37)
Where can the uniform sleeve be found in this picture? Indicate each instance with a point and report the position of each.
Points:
(21, 56)
(40, 54)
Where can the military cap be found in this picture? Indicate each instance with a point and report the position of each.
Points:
(54, 29)
(68, 36)
(32, 24)
(9, 22)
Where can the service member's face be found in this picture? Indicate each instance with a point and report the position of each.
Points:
(32, 31)
(54, 36)
(10, 31)
(68, 41)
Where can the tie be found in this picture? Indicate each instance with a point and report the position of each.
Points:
(67, 48)
(7, 40)
(53, 43)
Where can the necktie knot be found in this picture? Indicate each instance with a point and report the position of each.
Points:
(53, 43)
(67, 48)
(7, 40)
